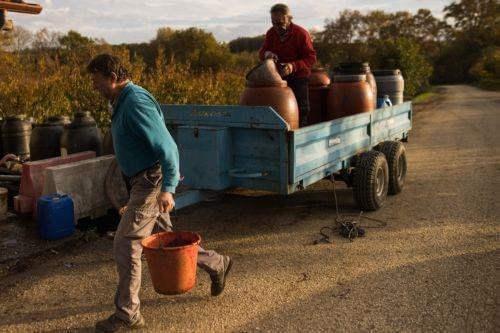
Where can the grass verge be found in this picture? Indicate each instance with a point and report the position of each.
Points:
(427, 96)
(489, 84)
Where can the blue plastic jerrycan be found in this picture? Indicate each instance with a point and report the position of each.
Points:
(56, 215)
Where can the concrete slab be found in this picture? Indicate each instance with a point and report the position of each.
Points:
(84, 182)
(33, 179)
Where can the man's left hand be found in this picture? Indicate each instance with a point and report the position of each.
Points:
(166, 202)
(286, 69)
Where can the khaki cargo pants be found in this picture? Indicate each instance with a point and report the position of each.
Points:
(137, 223)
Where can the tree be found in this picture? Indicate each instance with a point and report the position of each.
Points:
(476, 28)
(400, 24)
(194, 46)
(477, 22)
(77, 49)
(404, 54)
(246, 44)
(373, 24)
(74, 40)
(487, 67)
(342, 30)
(341, 40)
(46, 40)
(18, 39)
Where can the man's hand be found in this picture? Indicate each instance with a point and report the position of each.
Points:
(270, 55)
(7, 158)
(166, 202)
(286, 69)
(122, 210)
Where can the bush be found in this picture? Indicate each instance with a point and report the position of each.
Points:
(487, 67)
(404, 54)
(50, 82)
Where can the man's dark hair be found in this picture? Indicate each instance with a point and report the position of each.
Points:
(107, 64)
(281, 8)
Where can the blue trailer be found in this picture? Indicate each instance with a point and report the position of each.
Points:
(253, 147)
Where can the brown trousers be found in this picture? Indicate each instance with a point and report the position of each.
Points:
(137, 223)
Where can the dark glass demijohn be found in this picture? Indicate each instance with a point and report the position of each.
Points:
(81, 135)
(16, 132)
(45, 139)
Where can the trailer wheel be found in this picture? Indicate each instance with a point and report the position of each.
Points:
(395, 154)
(371, 180)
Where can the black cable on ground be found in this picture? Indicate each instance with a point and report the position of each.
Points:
(346, 225)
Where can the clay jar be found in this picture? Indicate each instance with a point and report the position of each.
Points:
(319, 83)
(81, 135)
(16, 132)
(348, 95)
(264, 87)
(264, 74)
(279, 96)
(355, 68)
(45, 138)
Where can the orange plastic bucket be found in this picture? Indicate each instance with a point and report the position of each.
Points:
(172, 258)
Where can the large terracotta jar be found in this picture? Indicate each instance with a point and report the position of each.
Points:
(319, 83)
(348, 95)
(265, 87)
(355, 68)
(278, 96)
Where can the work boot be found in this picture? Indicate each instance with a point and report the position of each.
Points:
(219, 279)
(115, 324)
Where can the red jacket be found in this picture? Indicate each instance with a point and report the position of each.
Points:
(297, 49)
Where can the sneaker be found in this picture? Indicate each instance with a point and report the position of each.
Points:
(115, 324)
(219, 280)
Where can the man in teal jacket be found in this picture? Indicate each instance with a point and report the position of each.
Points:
(148, 156)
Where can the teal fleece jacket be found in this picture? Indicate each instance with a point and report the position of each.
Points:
(141, 138)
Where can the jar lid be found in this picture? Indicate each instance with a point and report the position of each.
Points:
(55, 118)
(16, 117)
(264, 74)
(81, 114)
(251, 84)
(349, 78)
(354, 64)
(51, 121)
(83, 119)
(319, 78)
(386, 72)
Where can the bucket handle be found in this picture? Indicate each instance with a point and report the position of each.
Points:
(169, 226)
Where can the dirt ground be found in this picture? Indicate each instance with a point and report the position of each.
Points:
(434, 267)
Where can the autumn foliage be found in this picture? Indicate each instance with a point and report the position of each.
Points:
(43, 73)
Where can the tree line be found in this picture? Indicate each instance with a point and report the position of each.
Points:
(463, 46)
(43, 73)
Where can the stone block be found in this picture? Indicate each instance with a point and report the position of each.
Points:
(84, 182)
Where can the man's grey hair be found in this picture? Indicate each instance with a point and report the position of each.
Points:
(281, 8)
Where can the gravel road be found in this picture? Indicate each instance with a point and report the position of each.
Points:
(434, 267)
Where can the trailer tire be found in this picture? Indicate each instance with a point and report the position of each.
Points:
(395, 154)
(371, 180)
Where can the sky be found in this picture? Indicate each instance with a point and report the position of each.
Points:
(128, 21)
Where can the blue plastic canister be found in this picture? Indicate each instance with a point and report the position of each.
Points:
(55, 214)
(383, 102)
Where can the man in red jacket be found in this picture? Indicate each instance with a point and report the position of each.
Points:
(291, 47)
